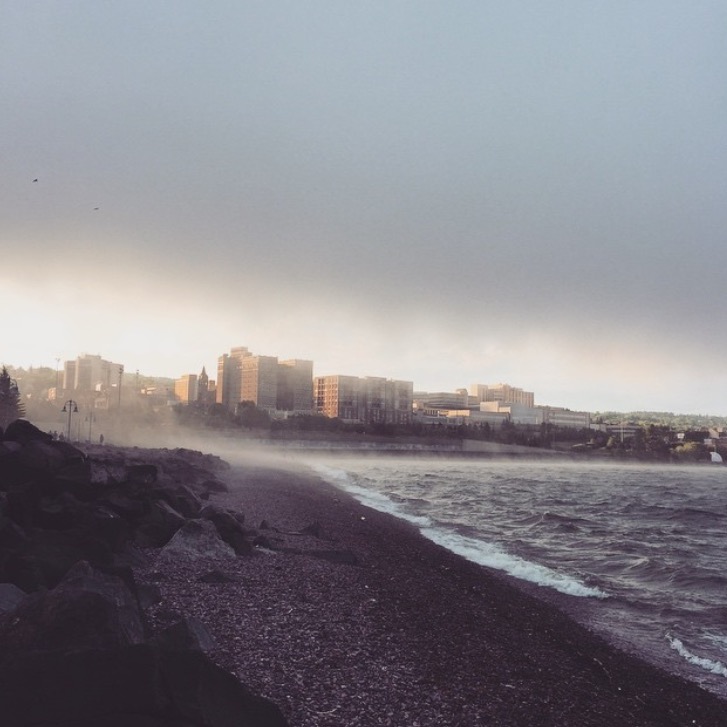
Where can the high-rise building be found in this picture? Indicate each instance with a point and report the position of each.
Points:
(260, 381)
(229, 377)
(266, 382)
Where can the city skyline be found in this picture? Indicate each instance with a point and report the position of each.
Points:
(444, 194)
(70, 370)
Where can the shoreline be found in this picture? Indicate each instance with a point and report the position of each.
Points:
(345, 615)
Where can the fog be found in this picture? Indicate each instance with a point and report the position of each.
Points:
(479, 192)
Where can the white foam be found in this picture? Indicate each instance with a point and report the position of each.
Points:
(489, 555)
(370, 498)
(476, 551)
(714, 667)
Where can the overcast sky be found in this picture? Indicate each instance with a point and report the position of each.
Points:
(532, 193)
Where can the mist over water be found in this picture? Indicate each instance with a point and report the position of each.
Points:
(636, 553)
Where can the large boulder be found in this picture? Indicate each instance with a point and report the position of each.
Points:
(181, 498)
(76, 656)
(196, 539)
(22, 431)
(229, 527)
(189, 633)
(158, 525)
(143, 685)
(87, 610)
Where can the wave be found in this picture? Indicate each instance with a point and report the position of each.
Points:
(491, 556)
(473, 549)
(713, 667)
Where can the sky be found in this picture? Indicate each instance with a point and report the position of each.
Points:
(444, 192)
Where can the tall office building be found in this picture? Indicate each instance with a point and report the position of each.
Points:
(260, 381)
(229, 377)
(266, 382)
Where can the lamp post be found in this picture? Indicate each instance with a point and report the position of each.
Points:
(72, 408)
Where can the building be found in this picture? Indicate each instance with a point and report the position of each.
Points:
(229, 377)
(502, 392)
(276, 386)
(338, 397)
(205, 388)
(399, 401)
(372, 399)
(186, 388)
(295, 386)
(516, 413)
(440, 400)
(561, 417)
(259, 381)
(90, 376)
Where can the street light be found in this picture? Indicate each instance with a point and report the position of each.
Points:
(72, 408)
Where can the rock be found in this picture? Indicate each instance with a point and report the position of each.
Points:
(22, 431)
(88, 610)
(103, 523)
(59, 512)
(141, 474)
(10, 597)
(197, 539)
(229, 528)
(149, 594)
(12, 536)
(315, 529)
(181, 498)
(41, 455)
(211, 486)
(142, 685)
(263, 541)
(51, 553)
(189, 633)
(158, 525)
(118, 586)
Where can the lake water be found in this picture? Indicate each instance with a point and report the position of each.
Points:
(636, 553)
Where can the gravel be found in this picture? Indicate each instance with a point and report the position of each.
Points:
(345, 616)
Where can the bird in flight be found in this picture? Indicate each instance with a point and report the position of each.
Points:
(35, 180)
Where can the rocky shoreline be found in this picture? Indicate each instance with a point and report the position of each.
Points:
(330, 614)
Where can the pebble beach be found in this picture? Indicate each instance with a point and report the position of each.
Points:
(343, 615)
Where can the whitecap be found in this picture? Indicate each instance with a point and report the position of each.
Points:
(714, 667)
(474, 550)
(491, 556)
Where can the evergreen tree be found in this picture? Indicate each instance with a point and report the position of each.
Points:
(11, 406)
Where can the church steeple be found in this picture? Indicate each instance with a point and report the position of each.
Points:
(203, 382)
